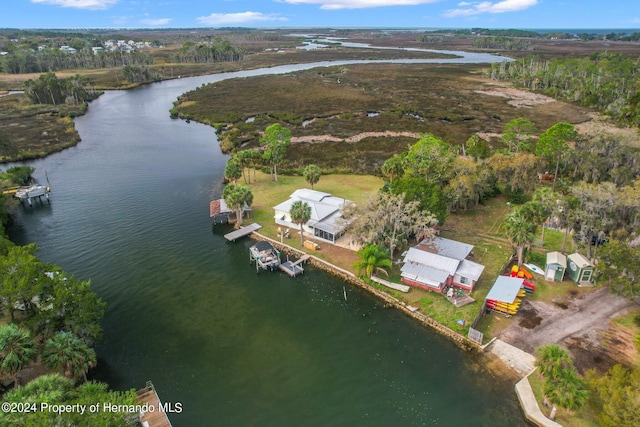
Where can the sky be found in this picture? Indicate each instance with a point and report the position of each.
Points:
(522, 14)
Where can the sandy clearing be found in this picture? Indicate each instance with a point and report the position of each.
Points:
(579, 327)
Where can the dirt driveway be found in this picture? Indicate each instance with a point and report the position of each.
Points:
(578, 324)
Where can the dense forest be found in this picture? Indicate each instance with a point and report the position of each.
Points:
(28, 61)
(608, 82)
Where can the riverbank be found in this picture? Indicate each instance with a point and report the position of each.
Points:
(518, 361)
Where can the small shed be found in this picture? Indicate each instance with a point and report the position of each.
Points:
(579, 268)
(555, 267)
(505, 289)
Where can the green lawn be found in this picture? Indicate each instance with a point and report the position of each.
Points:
(267, 193)
(481, 228)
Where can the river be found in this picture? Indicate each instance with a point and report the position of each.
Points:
(129, 210)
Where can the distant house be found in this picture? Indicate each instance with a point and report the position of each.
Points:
(220, 212)
(555, 267)
(68, 49)
(439, 262)
(579, 269)
(326, 221)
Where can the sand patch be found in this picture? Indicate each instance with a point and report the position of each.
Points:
(518, 98)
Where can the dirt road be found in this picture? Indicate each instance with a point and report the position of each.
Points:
(576, 324)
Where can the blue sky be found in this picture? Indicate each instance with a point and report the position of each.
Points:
(320, 13)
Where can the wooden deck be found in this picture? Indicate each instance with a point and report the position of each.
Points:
(456, 297)
(241, 232)
(157, 418)
(294, 268)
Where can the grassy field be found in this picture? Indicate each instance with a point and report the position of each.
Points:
(267, 194)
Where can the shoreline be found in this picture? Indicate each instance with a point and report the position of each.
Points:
(519, 362)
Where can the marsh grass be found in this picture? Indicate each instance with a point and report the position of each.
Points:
(416, 98)
(35, 130)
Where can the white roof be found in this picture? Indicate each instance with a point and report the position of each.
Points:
(579, 260)
(557, 258)
(429, 259)
(505, 289)
(470, 269)
(325, 208)
(424, 274)
(447, 247)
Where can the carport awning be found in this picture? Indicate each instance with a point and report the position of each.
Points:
(505, 289)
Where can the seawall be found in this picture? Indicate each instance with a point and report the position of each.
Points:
(523, 390)
(460, 340)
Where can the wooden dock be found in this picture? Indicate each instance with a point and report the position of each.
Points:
(157, 417)
(243, 231)
(294, 268)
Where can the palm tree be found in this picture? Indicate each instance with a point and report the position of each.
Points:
(51, 388)
(234, 170)
(535, 212)
(16, 350)
(300, 213)
(520, 232)
(372, 258)
(236, 197)
(312, 174)
(70, 354)
(552, 360)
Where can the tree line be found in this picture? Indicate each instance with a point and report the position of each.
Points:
(49, 89)
(608, 82)
(502, 43)
(30, 61)
(217, 50)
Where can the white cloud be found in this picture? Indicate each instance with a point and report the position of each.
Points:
(241, 18)
(358, 4)
(155, 22)
(80, 4)
(467, 9)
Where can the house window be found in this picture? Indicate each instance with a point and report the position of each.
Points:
(464, 280)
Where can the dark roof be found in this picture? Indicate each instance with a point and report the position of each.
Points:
(263, 246)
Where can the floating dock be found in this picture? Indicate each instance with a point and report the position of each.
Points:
(157, 417)
(243, 231)
(294, 268)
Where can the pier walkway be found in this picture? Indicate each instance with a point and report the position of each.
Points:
(243, 231)
(157, 417)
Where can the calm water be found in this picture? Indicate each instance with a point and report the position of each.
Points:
(130, 212)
